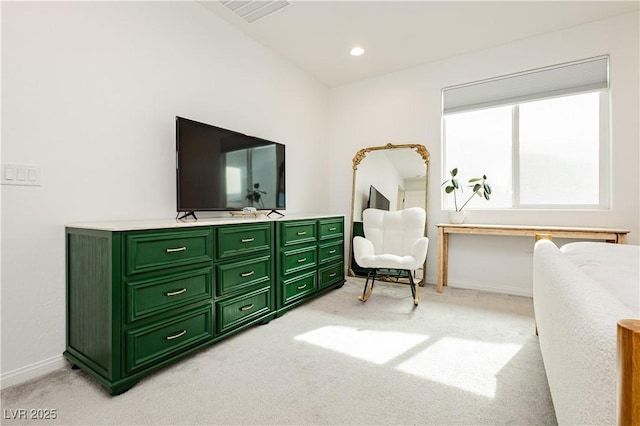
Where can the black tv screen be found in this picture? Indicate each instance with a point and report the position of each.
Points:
(377, 200)
(219, 169)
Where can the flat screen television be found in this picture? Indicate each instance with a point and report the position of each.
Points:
(219, 169)
(377, 200)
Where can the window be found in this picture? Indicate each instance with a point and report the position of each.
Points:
(540, 143)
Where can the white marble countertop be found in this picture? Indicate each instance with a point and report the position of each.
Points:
(135, 225)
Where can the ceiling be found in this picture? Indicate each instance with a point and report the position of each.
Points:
(317, 35)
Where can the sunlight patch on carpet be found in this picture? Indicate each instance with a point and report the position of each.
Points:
(374, 346)
(469, 365)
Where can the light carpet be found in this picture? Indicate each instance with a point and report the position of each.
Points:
(461, 357)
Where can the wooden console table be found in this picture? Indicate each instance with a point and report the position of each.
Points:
(618, 236)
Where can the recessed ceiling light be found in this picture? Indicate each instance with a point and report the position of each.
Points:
(357, 51)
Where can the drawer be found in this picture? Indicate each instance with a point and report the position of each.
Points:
(331, 228)
(148, 345)
(331, 275)
(236, 311)
(234, 276)
(330, 252)
(238, 240)
(298, 259)
(150, 251)
(296, 288)
(157, 295)
(297, 232)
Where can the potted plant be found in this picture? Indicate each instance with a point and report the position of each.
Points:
(480, 188)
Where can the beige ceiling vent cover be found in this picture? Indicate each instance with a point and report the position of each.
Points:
(252, 10)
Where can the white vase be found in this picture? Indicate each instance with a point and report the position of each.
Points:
(456, 217)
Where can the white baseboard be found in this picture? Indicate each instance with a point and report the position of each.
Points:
(484, 287)
(32, 371)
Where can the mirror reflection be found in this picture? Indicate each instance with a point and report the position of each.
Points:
(390, 177)
(251, 176)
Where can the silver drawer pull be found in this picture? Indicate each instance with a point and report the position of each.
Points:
(247, 240)
(331, 251)
(248, 274)
(302, 233)
(332, 229)
(333, 274)
(304, 259)
(246, 308)
(173, 250)
(175, 293)
(175, 336)
(300, 287)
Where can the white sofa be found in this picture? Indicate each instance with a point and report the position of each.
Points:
(580, 292)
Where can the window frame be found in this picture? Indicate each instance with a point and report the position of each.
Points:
(604, 158)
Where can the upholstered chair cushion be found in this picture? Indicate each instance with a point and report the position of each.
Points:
(393, 239)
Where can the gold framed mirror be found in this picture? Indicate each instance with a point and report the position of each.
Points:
(390, 177)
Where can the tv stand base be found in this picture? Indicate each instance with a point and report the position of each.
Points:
(276, 212)
(187, 214)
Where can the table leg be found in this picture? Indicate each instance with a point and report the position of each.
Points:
(443, 243)
(445, 259)
(622, 238)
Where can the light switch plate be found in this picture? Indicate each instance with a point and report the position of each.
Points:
(20, 174)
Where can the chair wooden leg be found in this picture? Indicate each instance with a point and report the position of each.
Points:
(366, 292)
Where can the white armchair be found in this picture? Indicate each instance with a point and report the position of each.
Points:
(393, 244)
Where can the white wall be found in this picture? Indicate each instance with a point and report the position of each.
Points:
(404, 107)
(90, 92)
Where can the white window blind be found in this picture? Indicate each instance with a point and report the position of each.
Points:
(570, 78)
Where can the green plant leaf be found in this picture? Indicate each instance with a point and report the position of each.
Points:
(449, 189)
(454, 172)
(474, 180)
(486, 195)
(455, 184)
(476, 187)
(487, 188)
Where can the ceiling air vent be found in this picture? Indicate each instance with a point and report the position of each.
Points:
(252, 10)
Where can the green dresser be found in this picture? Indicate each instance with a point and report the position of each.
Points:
(138, 299)
(310, 259)
(244, 280)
